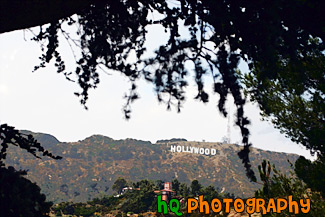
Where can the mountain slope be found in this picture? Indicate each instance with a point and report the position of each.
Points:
(89, 167)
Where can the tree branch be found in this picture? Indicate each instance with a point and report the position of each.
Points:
(16, 15)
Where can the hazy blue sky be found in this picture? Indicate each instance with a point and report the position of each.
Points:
(44, 102)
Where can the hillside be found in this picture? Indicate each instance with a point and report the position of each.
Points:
(90, 166)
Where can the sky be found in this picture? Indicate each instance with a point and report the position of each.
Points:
(44, 101)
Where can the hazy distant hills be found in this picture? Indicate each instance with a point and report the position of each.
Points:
(89, 167)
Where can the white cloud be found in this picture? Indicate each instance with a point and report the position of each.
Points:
(3, 89)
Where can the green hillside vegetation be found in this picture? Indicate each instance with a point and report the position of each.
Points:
(143, 201)
(137, 201)
(279, 185)
(90, 166)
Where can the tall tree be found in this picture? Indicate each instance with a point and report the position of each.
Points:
(312, 173)
(119, 184)
(195, 187)
(293, 100)
(176, 186)
(278, 185)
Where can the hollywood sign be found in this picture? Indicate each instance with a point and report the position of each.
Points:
(193, 150)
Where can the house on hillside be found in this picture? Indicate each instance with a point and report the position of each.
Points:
(125, 190)
(167, 192)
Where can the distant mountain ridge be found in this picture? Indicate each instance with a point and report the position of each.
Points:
(90, 166)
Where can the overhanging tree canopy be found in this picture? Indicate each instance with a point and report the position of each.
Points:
(282, 41)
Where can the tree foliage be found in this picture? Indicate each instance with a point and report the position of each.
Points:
(19, 196)
(312, 173)
(195, 187)
(176, 186)
(293, 100)
(119, 184)
(277, 185)
(10, 136)
(141, 199)
(282, 42)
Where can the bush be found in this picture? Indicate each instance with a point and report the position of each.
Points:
(19, 196)
(281, 186)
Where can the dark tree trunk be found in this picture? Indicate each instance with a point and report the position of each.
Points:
(22, 14)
